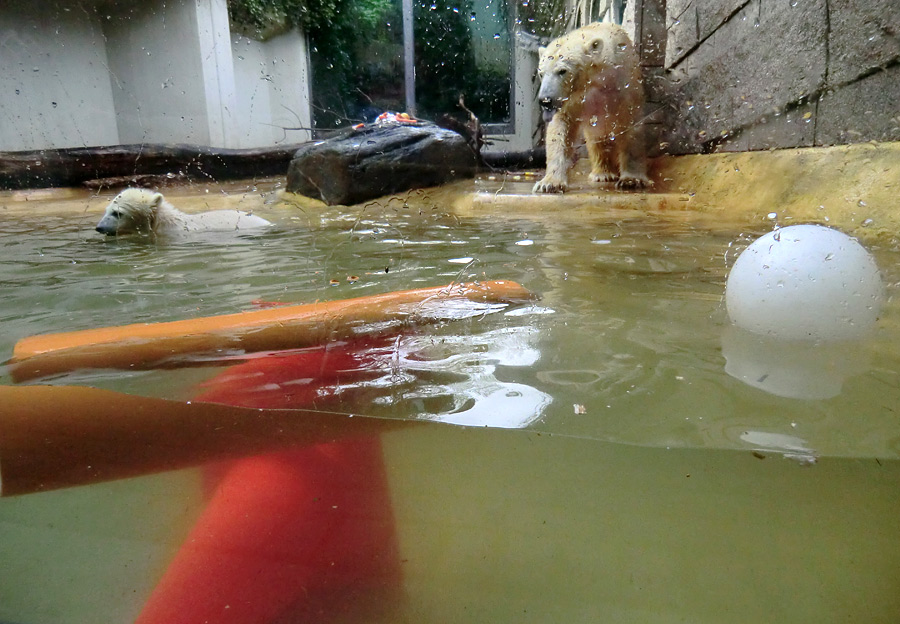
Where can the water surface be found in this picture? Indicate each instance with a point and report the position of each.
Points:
(615, 470)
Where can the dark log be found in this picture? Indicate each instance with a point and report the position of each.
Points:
(74, 166)
(377, 160)
(402, 166)
(527, 159)
(149, 181)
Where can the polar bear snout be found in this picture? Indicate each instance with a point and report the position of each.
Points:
(108, 225)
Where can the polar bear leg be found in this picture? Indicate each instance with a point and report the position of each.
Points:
(604, 159)
(632, 162)
(560, 135)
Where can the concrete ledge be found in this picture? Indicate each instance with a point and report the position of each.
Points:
(511, 195)
(855, 188)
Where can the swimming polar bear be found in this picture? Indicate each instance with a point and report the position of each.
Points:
(140, 210)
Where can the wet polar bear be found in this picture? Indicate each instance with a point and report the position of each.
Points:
(591, 83)
(139, 210)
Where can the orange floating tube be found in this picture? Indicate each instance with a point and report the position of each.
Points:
(62, 436)
(149, 345)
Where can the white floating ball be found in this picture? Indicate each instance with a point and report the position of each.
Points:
(804, 282)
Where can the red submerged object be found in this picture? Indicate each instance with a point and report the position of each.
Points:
(304, 535)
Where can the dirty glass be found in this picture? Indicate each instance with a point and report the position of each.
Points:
(460, 401)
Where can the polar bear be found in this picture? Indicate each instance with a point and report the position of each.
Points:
(140, 210)
(591, 84)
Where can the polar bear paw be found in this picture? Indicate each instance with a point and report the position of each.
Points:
(551, 184)
(633, 182)
(602, 177)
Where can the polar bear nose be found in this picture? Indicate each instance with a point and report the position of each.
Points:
(105, 226)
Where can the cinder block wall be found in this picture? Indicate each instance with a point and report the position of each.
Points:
(739, 75)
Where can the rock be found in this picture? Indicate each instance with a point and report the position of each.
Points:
(376, 160)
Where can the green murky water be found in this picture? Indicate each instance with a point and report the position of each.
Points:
(614, 471)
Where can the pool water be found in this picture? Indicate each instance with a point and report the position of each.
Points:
(586, 457)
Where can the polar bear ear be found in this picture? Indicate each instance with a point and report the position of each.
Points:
(156, 200)
(593, 46)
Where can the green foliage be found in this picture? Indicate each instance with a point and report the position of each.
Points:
(311, 16)
(544, 18)
(344, 67)
(445, 63)
(356, 53)
(446, 68)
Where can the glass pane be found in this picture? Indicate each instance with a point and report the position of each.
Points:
(463, 50)
(357, 64)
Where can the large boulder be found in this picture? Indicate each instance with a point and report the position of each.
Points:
(379, 159)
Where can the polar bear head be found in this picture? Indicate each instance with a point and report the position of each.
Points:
(597, 56)
(132, 210)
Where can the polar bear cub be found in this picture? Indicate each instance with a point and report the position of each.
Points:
(140, 210)
(591, 86)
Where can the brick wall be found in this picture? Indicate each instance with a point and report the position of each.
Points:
(740, 75)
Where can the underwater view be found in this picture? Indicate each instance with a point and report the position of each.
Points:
(597, 449)
(463, 312)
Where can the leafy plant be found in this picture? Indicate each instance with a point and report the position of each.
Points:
(356, 54)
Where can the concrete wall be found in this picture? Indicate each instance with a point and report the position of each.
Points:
(760, 74)
(645, 22)
(53, 95)
(107, 72)
(167, 75)
(272, 90)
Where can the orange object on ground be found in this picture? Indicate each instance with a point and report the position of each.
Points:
(148, 345)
